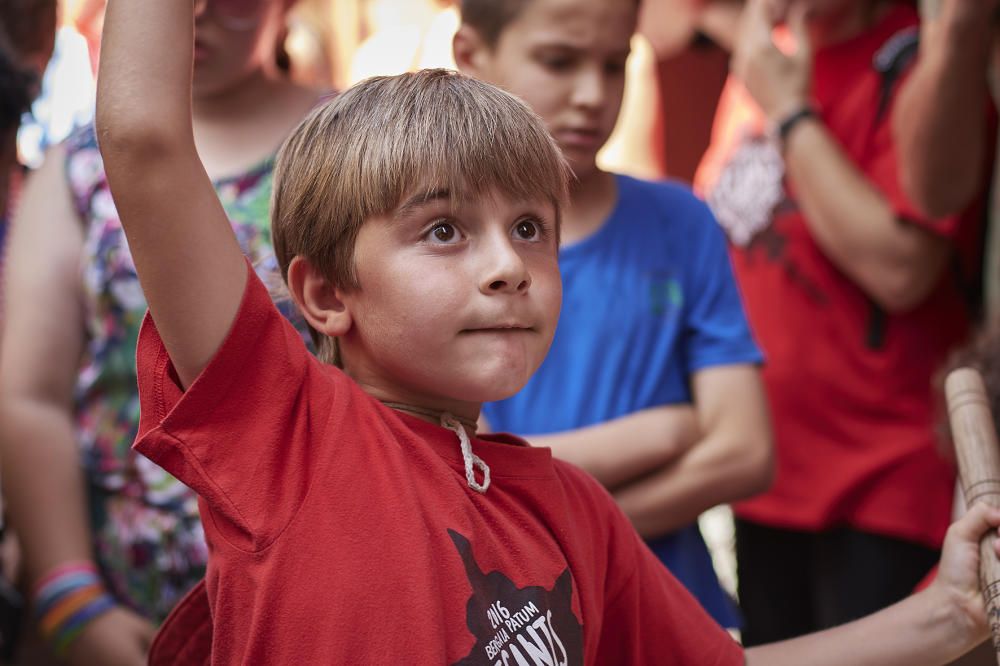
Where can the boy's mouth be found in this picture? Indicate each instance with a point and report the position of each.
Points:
(580, 137)
(499, 328)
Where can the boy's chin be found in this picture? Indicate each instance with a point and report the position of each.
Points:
(489, 388)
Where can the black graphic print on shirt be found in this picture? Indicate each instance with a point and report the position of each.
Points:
(519, 626)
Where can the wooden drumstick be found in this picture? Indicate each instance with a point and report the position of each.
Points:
(979, 468)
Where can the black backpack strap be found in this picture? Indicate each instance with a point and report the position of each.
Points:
(891, 62)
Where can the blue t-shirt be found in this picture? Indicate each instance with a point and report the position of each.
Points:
(648, 300)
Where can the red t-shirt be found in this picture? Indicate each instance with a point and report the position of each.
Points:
(342, 531)
(850, 388)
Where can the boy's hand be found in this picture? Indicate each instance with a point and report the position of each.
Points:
(119, 637)
(958, 573)
(778, 82)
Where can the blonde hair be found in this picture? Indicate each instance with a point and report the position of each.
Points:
(387, 138)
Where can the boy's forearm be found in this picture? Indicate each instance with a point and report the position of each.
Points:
(732, 460)
(716, 470)
(920, 630)
(629, 447)
(144, 88)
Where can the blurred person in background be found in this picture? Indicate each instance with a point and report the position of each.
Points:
(856, 297)
(110, 541)
(27, 33)
(651, 383)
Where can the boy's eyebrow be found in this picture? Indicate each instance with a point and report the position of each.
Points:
(421, 199)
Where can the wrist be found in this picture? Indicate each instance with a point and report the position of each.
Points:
(785, 126)
(953, 616)
(67, 600)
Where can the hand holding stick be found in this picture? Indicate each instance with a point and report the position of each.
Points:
(978, 457)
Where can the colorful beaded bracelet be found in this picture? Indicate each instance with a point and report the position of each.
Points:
(67, 599)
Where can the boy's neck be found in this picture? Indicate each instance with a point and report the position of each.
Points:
(426, 409)
(591, 201)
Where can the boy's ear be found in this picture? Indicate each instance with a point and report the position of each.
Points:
(317, 299)
(471, 52)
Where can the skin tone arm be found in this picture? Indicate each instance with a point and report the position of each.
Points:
(933, 626)
(42, 479)
(618, 451)
(895, 263)
(731, 461)
(939, 121)
(189, 264)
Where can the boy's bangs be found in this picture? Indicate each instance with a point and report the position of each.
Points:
(458, 135)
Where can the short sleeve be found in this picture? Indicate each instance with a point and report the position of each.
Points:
(716, 328)
(239, 435)
(650, 618)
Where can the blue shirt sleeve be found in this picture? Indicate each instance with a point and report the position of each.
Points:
(716, 327)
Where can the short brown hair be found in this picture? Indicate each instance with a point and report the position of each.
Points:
(359, 155)
(490, 17)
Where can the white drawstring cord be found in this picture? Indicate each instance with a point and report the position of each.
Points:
(471, 459)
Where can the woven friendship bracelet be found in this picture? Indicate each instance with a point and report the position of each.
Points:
(61, 587)
(67, 599)
(70, 630)
(61, 572)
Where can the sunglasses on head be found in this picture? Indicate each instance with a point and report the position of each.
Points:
(233, 14)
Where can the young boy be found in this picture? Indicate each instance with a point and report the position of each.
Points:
(651, 382)
(416, 223)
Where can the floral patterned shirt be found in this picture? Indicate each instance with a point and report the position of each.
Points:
(147, 533)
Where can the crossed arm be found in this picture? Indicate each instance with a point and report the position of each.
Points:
(189, 263)
(666, 465)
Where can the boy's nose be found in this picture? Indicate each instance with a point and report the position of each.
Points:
(507, 272)
(589, 90)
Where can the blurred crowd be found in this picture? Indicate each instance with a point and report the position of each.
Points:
(776, 345)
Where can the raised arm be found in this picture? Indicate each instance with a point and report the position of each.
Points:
(189, 264)
(624, 449)
(732, 460)
(940, 121)
(896, 263)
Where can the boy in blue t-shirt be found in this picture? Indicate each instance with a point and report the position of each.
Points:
(651, 382)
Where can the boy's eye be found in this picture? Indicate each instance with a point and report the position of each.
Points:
(557, 62)
(527, 230)
(617, 67)
(444, 232)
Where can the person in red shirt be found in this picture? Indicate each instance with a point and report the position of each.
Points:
(856, 298)
(352, 514)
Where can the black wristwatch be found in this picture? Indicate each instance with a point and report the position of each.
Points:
(785, 126)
